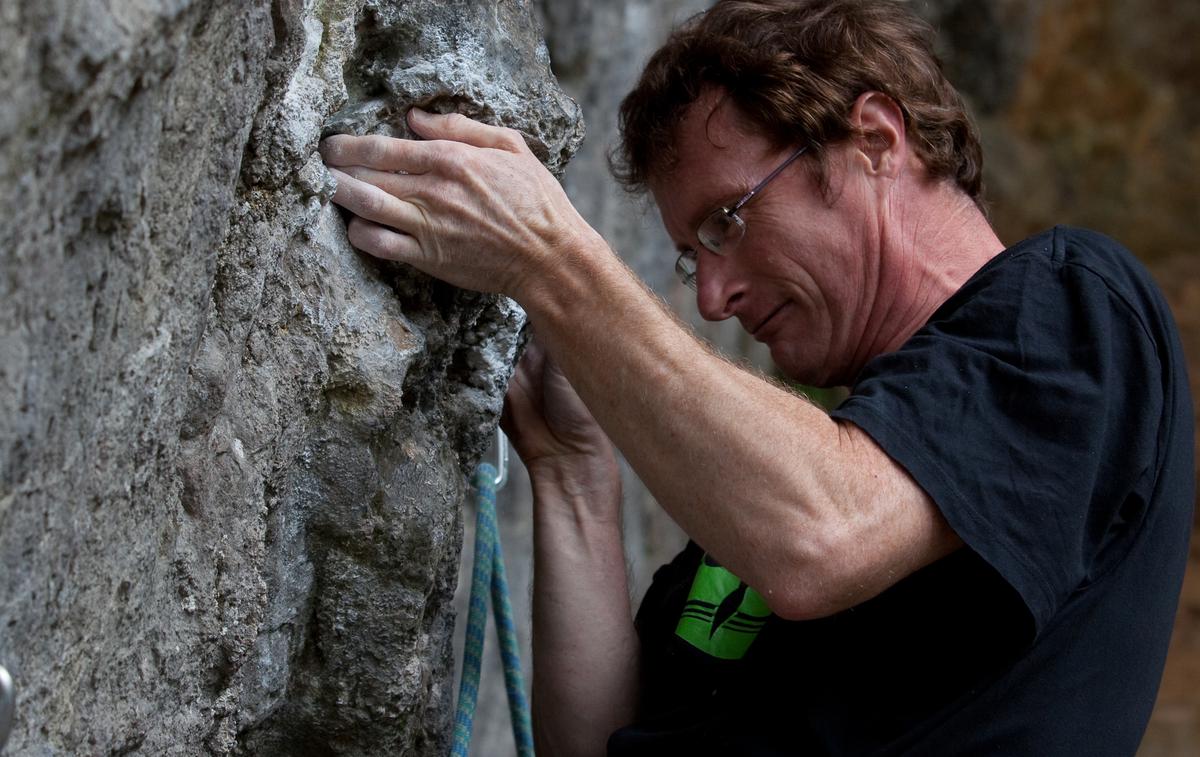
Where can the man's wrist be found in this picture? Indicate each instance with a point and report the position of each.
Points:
(577, 477)
(585, 490)
(575, 264)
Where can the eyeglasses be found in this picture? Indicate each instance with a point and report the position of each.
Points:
(722, 230)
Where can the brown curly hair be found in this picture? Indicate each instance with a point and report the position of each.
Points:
(795, 68)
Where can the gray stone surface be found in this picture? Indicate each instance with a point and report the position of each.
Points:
(232, 449)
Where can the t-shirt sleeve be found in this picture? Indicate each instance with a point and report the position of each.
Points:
(1027, 408)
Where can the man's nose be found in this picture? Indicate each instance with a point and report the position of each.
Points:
(718, 291)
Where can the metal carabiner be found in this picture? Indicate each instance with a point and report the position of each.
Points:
(8, 706)
(501, 459)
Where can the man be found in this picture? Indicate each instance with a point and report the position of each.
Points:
(980, 551)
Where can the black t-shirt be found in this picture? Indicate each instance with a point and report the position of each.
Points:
(1045, 409)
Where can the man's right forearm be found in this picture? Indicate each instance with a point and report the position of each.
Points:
(584, 645)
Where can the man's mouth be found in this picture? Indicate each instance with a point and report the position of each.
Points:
(757, 331)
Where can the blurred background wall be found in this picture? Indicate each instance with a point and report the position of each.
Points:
(1090, 115)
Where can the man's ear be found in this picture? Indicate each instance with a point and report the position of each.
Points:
(881, 141)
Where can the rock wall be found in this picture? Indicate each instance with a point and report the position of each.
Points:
(232, 449)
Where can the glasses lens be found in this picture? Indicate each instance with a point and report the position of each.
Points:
(685, 266)
(721, 231)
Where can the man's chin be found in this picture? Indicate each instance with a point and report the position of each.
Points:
(797, 369)
(809, 370)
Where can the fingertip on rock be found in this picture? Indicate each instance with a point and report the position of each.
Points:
(325, 148)
(421, 120)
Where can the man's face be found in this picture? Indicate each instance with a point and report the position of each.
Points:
(796, 280)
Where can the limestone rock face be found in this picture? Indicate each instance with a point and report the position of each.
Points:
(232, 449)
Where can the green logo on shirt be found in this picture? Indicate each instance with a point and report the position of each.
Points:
(723, 615)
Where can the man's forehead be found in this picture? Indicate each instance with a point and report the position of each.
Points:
(712, 122)
(711, 134)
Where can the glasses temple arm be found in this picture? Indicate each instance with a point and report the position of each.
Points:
(750, 195)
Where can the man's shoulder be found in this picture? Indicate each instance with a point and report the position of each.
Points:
(1065, 263)
(1062, 247)
(1089, 254)
(1103, 261)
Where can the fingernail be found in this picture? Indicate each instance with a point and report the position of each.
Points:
(419, 113)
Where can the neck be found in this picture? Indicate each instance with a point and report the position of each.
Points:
(928, 250)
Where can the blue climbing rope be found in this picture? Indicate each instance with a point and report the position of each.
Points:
(488, 573)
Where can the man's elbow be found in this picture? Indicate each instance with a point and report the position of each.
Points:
(814, 584)
(802, 603)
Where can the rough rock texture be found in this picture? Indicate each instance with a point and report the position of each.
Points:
(232, 449)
